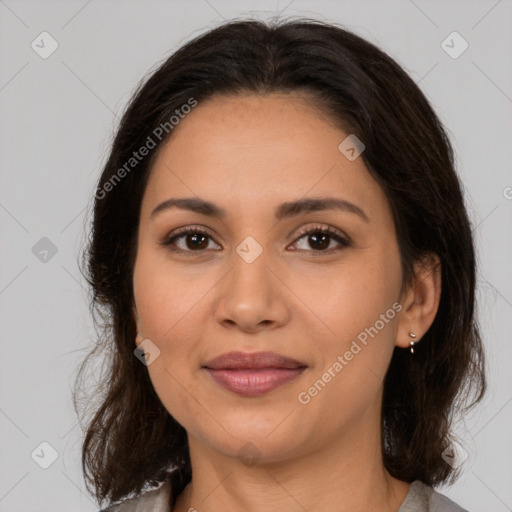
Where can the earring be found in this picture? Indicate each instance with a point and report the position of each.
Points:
(411, 342)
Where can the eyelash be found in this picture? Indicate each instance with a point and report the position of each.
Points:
(169, 240)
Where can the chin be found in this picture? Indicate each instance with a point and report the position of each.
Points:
(254, 439)
(252, 451)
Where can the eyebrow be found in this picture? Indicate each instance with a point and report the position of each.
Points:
(284, 210)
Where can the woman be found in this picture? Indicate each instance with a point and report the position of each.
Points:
(285, 272)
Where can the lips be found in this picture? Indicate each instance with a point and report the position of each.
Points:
(253, 374)
(248, 361)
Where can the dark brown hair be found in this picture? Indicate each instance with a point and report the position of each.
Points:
(131, 441)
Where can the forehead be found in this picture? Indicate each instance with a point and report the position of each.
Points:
(251, 148)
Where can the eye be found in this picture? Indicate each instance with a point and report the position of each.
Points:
(195, 239)
(320, 238)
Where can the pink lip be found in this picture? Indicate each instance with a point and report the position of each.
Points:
(253, 374)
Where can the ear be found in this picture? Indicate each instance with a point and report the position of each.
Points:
(420, 301)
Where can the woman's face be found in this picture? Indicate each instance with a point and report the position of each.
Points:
(256, 283)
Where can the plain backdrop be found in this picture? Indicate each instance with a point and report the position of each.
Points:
(58, 115)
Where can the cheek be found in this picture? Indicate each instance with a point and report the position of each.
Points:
(354, 360)
(167, 306)
(172, 305)
(350, 297)
(166, 296)
(358, 310)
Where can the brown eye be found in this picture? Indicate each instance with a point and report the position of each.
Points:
(320, 240)
(190, 240)
(196, 241)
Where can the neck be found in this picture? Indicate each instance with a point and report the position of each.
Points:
(347, 475)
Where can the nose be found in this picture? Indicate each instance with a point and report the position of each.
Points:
(252, 297)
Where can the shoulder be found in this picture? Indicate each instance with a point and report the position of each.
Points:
(155, 500)
(441, 503)
(423, 498)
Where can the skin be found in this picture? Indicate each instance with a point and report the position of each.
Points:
(248, 154)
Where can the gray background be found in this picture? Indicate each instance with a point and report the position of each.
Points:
(57, 119)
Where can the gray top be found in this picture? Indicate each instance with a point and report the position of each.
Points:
(420, 498)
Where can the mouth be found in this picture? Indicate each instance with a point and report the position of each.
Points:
(253, 374)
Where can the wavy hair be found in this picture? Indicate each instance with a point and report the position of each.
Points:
(131, 441)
